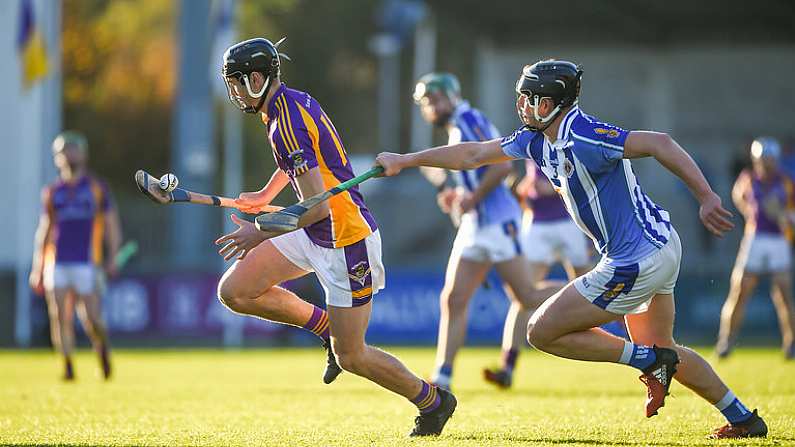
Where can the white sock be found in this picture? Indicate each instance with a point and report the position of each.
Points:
(626, 355)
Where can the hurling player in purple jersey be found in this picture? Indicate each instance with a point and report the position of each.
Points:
(765, 196)
(78, 218)
(338, 239)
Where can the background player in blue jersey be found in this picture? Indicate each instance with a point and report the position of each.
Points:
(589, 164)
(488, 218)
(77, 219)
(766, 198)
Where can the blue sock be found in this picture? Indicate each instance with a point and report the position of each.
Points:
(638, 356)
(734, 410)
(444, 370)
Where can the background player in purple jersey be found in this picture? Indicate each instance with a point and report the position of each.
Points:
(765, 196)
(78, 217)
(589, 163)
(488, 217)
(338, 240)
(548, 233)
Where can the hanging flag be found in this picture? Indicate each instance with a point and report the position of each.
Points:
(30, 44)
(223, 37)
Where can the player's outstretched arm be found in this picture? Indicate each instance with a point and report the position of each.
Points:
(671, 155)
(113, 238)
(469, 155)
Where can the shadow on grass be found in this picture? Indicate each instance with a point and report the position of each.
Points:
(44, 444)
(552, 393)
(485, 438)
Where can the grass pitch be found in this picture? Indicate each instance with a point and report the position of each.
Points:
(276, 397)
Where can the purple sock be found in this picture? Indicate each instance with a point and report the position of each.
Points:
(428, 399)
(318, 323)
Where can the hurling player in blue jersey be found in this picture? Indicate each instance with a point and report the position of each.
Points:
(488, 219)
(588, 163)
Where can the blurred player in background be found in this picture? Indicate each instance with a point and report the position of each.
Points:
(338, 239)
(766, 198)
(589, 164)
(488, 218)
(548, 233)
(77, 217)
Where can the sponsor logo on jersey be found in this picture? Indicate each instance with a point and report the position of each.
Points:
(568, 168)
(609, 133)
(299, 162)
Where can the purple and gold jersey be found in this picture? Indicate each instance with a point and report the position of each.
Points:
(77, 218)
(776, 193)
(545, 208)
(303, 137)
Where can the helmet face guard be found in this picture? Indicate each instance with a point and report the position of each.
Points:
(558, 81)
(238, 100)
(242, 59)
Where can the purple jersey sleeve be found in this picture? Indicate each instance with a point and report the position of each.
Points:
(294, 141)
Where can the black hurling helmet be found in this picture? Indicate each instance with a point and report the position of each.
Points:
(553, 79)
(246, 57)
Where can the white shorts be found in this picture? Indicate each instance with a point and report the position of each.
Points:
(491, 243)
(350, 275)
(81, 277)
(629, 289)
(551, 242)
(764, 253)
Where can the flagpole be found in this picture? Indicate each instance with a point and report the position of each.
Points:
(41, 103)
(225, 35)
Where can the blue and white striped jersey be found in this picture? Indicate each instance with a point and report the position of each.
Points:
(601, 193)
(499, 206)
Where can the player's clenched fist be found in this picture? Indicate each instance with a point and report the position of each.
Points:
(392, 163)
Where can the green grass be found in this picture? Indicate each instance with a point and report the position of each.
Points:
(275, 397)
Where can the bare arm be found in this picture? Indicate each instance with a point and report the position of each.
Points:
(240, 242)
(739, 191)
(493, 176)
(436, 176)
(468, 155)
(40, 241)
(252, 202)
(274, 186)
(309, 184)
(113, 238)
(671, 155)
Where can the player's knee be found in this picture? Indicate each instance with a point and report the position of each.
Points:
(350, 359)
(229, 293)
(453, 301)
(537, 336)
